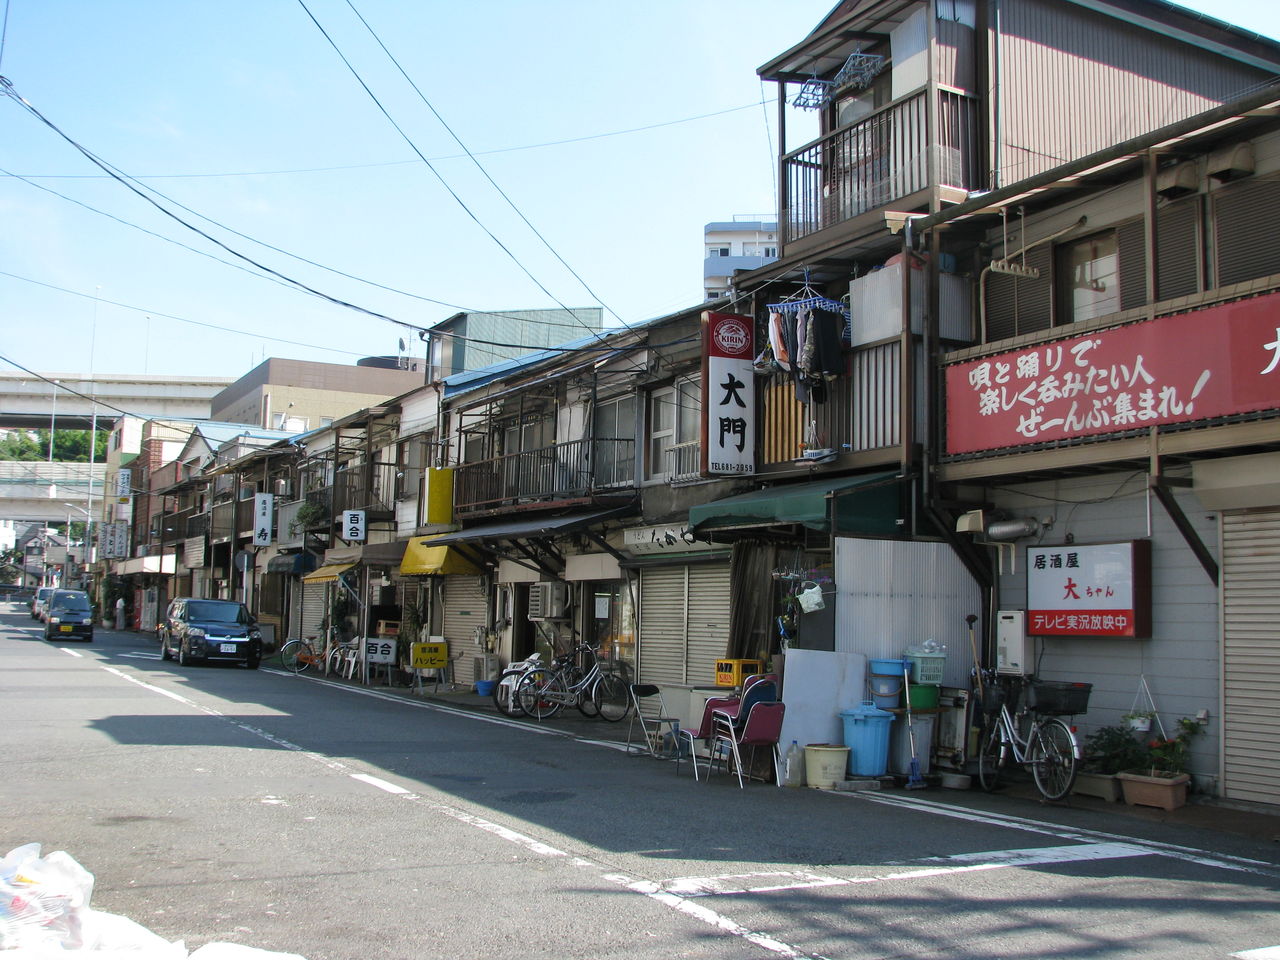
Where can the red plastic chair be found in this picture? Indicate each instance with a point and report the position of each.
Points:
(761, 690)
(705, 729)
(761, 728)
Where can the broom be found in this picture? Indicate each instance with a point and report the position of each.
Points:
(914, 780)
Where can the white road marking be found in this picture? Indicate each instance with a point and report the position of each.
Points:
(72, 653)
(379, 783)
(139, 655)
(1262, 953)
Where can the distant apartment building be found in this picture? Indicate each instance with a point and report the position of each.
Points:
(743, 243)
(473, 340)
(301, 395)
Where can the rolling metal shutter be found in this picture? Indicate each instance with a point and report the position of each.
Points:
(684, 622)
(1244, 216)
(463, 609)
(315, 602)
(1251, 655)
(1018, 305)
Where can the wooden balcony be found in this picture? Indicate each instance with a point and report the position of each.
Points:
(860, 415)
(880, 160)
(372, 491)
(577, 471)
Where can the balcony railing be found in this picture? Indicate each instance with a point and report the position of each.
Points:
(223, 525)
(565, 471)
(684, 462)
(360, 489)
(879, 160)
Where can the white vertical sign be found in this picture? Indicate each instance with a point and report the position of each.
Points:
(262, 516)
(352, 524)
(728, 394)
(124, 485)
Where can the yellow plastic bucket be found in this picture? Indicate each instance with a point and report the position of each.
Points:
(824, 764)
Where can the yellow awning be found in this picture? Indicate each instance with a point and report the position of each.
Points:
(328, 572)
(423, 558)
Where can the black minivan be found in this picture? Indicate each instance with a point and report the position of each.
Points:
(68, 616)
(205, 630)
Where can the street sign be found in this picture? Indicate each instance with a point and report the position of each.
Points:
(379, 650)
(429, 656)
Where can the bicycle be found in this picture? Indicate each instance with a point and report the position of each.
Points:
(1049, 747)
(504, 691)
(302, 653)
(544, 691)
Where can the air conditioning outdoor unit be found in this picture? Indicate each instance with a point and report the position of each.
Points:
(547, 600)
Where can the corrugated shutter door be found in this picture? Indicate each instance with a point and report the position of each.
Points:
(1018, 305)
(314, 603)
(463, 610)
(708, 622)
(1251, 655)
(1178, 250)
(662, 625)
(1244, 217)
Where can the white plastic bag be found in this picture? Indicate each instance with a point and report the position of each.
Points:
(810, 597)
(42, 899)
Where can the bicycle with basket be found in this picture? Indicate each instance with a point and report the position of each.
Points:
(1033, 733)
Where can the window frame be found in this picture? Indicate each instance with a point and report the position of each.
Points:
(1065, 310)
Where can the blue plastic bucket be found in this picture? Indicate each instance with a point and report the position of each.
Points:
(885, 690)
(866, 734)
(890, 668)
(485, 687)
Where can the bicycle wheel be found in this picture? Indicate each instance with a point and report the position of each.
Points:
(297, 655)
(611, 698)
(504, 693)
(586, 700)
(1052, 755)
(991, 758)
(541, 694)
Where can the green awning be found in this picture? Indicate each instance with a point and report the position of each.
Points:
(866, 504)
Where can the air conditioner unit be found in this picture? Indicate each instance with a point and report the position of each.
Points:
(547, 600)
(485, 667)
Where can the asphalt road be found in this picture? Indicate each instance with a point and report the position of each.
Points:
(218, 803)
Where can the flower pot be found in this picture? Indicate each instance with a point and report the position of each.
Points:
(1140, 724)
(1144, 789)
(1105, 786)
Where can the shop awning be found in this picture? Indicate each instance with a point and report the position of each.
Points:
(524, 529)
(382, 554)
(424, 557)
(294, 563)
(135, 565)
(329, 572)
(866, 504)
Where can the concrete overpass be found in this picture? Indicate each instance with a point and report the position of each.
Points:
(27, 401)
(38, 490)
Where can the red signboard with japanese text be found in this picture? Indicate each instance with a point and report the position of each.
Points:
(728, 394)
(1089, 590)
(1215, 362)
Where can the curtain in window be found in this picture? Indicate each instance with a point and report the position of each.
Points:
(751, 613)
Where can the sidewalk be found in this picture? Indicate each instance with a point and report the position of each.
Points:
(1207, 813)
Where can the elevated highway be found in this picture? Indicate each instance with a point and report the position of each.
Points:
(39, 490)
(27, 401)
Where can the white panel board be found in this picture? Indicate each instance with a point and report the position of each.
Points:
(817, 685)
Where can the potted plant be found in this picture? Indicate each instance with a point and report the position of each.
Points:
(1107, 751)
(1162, 779)
(1139, 720)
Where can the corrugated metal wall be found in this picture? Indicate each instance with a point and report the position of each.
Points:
(1113, 82)
(893, 594)
(1251, 655)
(1180, 661)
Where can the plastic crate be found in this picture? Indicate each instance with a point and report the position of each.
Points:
(1059, 698)
(927, 667)
(731, 673)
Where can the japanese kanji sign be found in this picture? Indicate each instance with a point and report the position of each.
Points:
(379, 650)
(1090, 590)
(1215, 362)
(352, 524)
(728, 394)
(262, 513)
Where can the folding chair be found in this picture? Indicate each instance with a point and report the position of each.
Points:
(651, 728)
(761, 728)
(761, 691)
(703, 732)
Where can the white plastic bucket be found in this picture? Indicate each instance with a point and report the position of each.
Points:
(824, 764)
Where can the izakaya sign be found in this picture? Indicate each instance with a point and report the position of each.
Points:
(1089, 590)
(1209, 363)
(728, 394)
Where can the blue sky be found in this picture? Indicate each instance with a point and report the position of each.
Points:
(242, 111)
